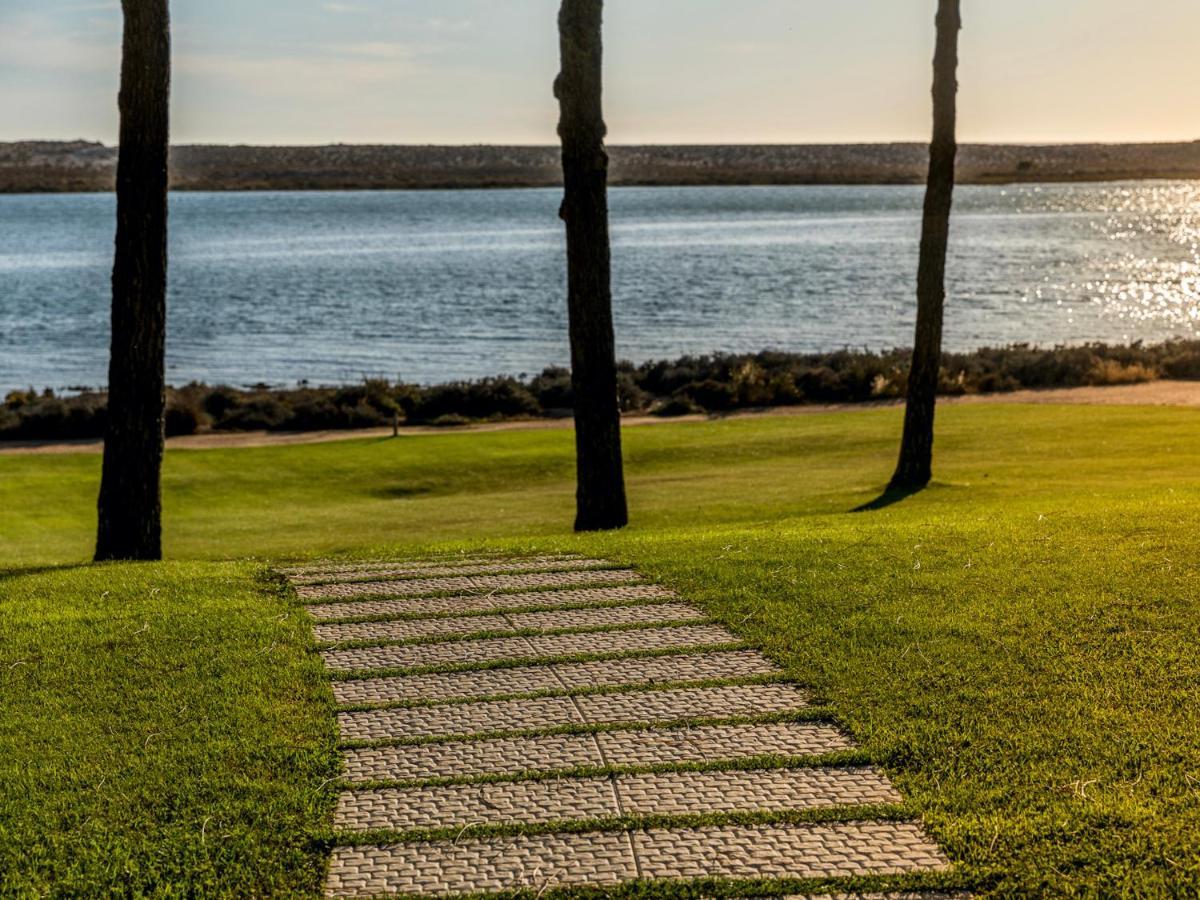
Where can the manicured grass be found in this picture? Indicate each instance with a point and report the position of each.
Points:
(351, 497)
(1018, 645)
(163, 731)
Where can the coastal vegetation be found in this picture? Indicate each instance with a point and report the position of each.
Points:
(714, 384)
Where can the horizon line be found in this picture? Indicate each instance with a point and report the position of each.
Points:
(555, 145)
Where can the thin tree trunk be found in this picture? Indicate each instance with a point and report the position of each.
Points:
(130, 503)
(600, 491)
(915, 468)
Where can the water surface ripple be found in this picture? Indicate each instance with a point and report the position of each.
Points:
(431, 286)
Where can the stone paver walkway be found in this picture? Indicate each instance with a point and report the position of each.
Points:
(541, 722)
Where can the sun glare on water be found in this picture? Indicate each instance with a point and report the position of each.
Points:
(1141, 264)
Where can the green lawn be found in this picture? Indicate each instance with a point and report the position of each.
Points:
(163, 731)
(1018, 645)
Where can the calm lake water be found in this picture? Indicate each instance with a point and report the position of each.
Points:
(430, 286)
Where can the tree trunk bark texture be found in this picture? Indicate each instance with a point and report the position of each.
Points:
(915, 468)
(130, 503)
(600, 490)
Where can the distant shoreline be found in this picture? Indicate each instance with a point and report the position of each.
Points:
(88, 167)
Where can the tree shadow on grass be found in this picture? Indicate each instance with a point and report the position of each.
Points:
(401, 491)
(9, 572)
(890, 497)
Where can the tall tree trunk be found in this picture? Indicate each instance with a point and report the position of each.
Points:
(130, 504)
(916, 448)
(600, 490)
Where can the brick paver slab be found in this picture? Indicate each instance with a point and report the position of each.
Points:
(410, 629)
(515, 648)
(551, 620)
(447, 868)
(455, 806)
(447, 686)
(404, 571)
(548, 861)
(555, 753)
(580, 799)
(466, 583)
(650, 707)
(686, 703)
(483, 603)
(333, 566)
(708, 666)
(689, 793)
(787, 851)
(459, 719)
(720, 664)
(495, 756)
(605, 617)
(719, 743)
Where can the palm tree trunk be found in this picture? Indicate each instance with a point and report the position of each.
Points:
(130, 503)
(600, 490)
(915, 468)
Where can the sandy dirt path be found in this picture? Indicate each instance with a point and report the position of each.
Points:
(1157, 393)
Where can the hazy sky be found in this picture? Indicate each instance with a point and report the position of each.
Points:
(479, 71)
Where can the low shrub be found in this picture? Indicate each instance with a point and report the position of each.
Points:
(186, 410)
(1110, 371)
(182, 420)
(691, 384)
(450, 420)
(1183, 364)
(44, 416)
(680, 405)
(710, 394)
(258, 413)
(220, 400)
(630, 396)
(491, 398)
(552, 389)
